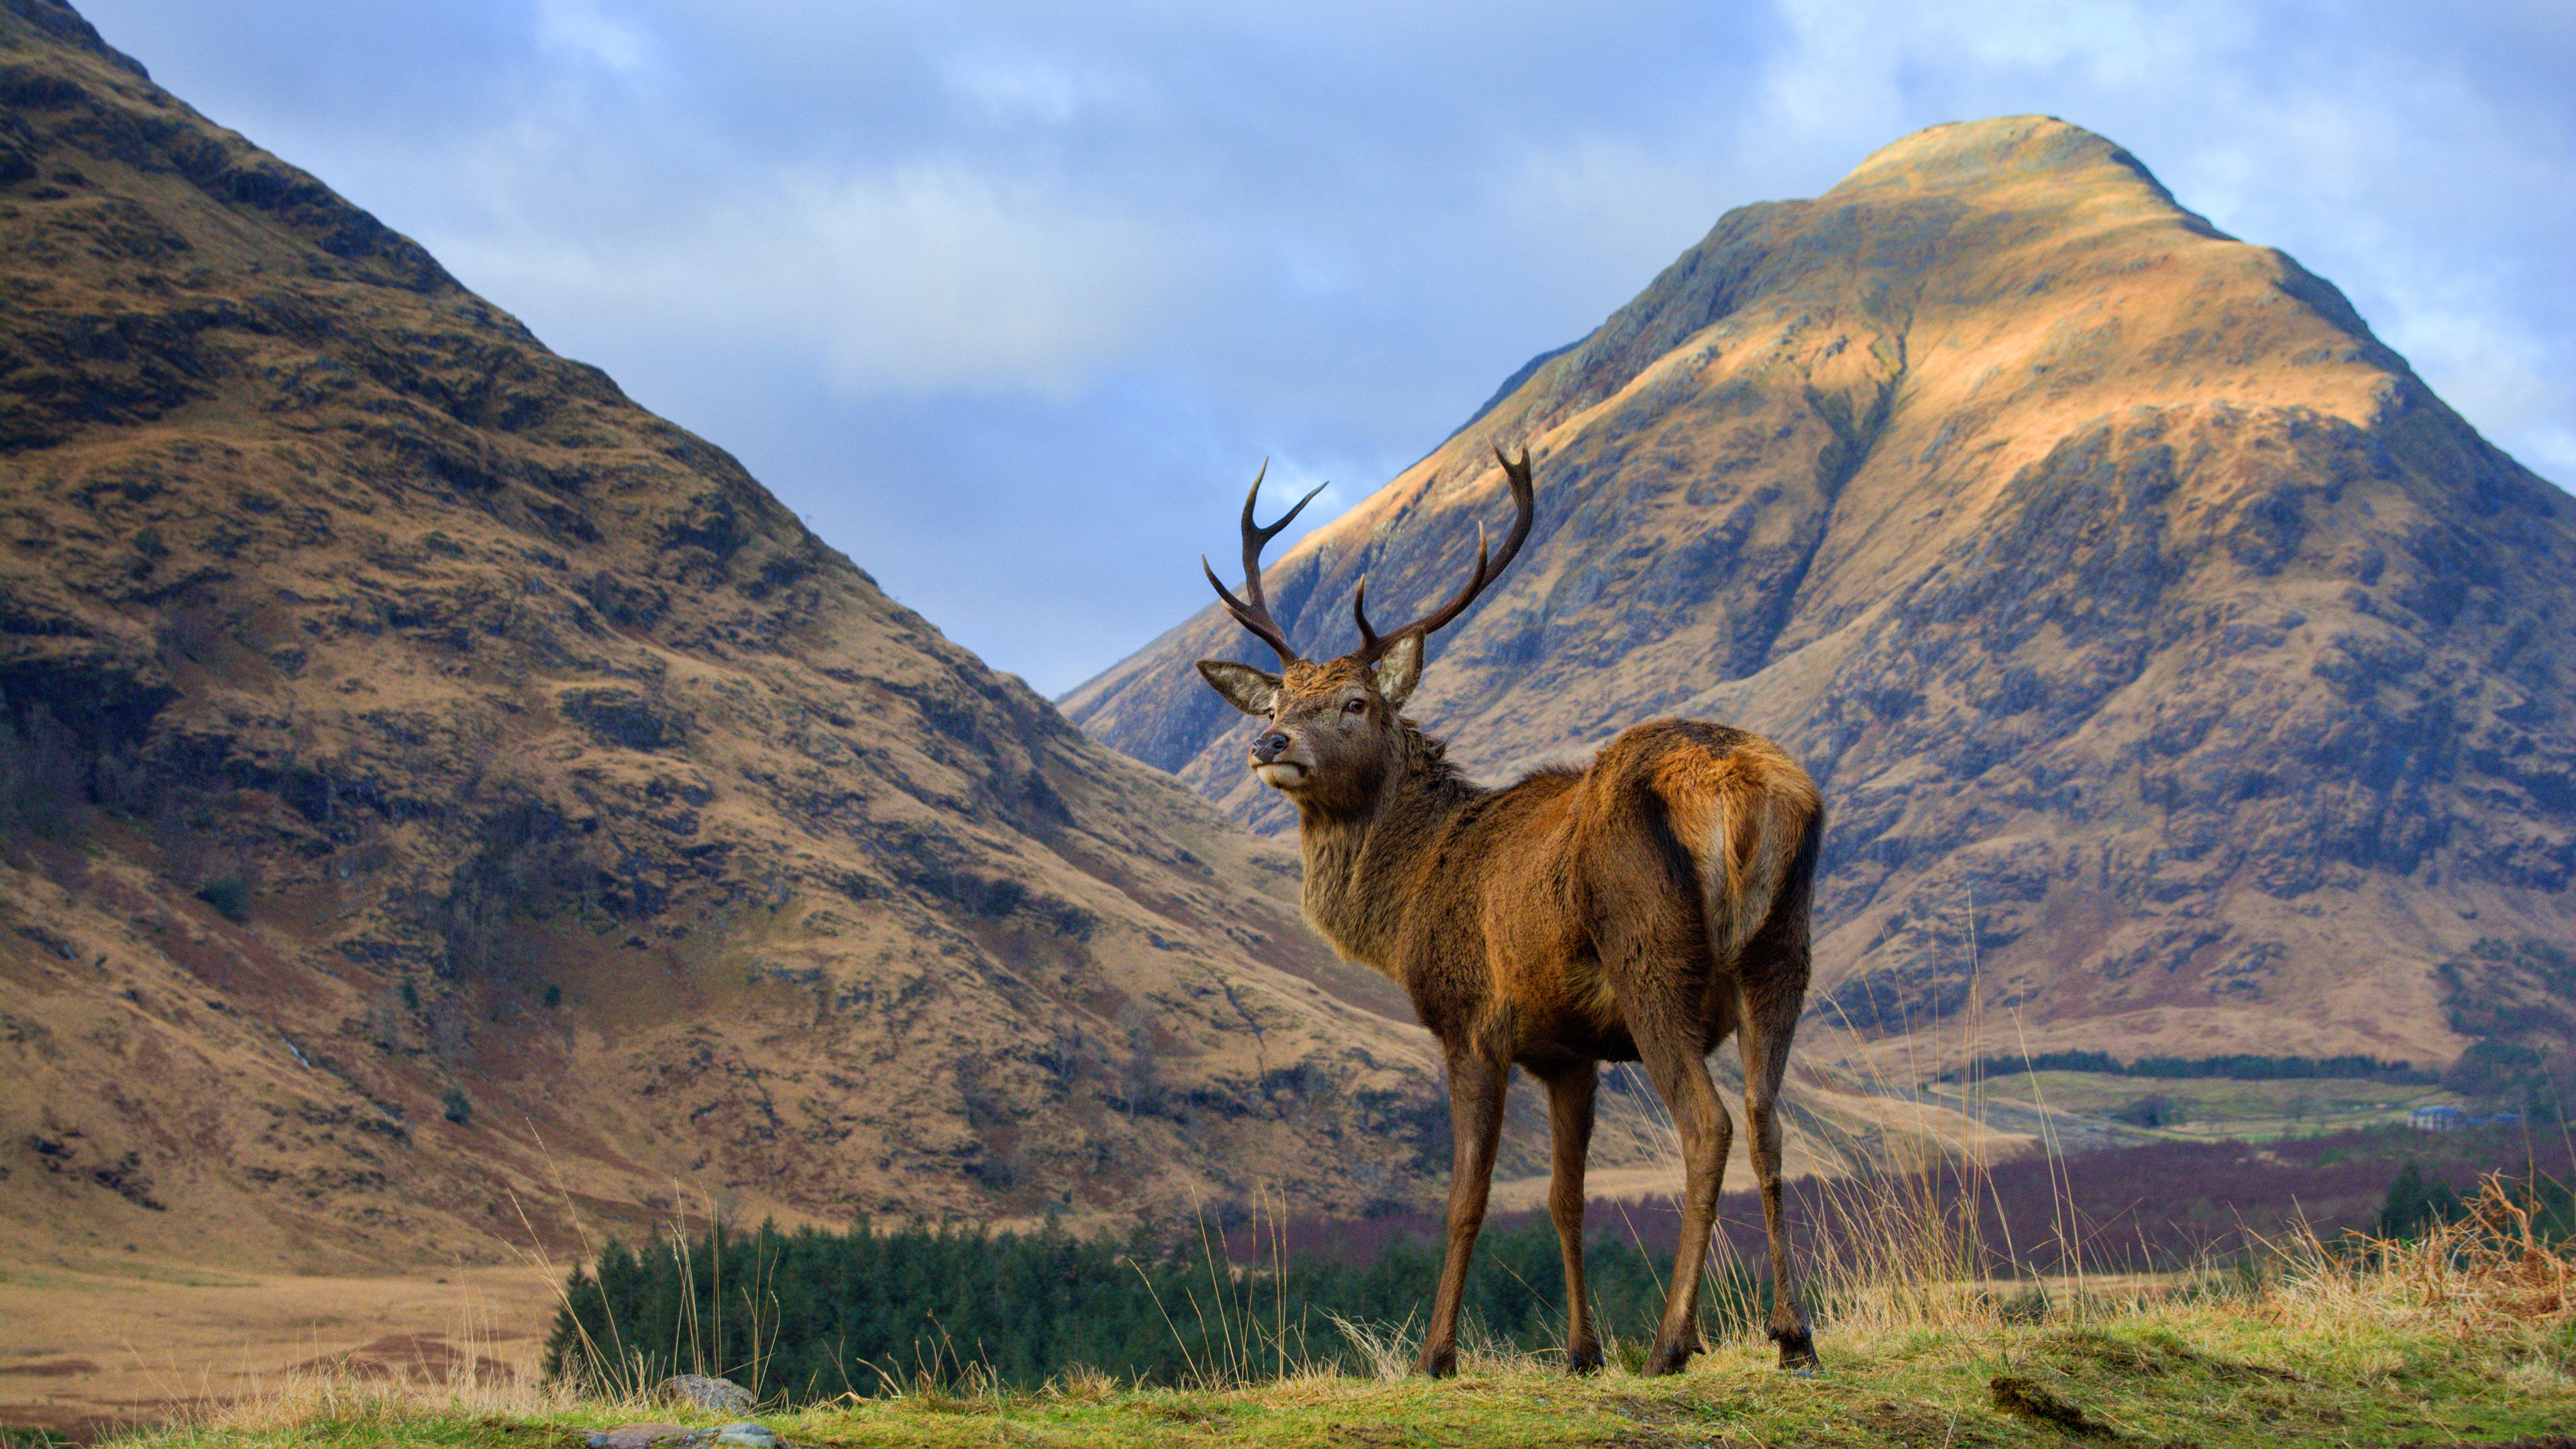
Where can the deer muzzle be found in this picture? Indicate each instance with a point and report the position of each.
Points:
(1274, 759)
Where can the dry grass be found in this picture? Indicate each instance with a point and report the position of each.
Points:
(2488, 1273)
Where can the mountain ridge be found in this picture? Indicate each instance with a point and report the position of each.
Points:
(1967, 480)
(441, 801)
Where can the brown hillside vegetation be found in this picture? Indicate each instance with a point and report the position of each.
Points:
(2165, 648)
(431, 779)
(434, 789)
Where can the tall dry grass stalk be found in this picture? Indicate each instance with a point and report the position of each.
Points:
(616, 1371)
(1903, 1243)
(1244, 1344)
(2489, 1271)
(1387, 1351)
(468, 1380)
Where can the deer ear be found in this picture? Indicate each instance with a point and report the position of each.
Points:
(1244, 687)
(1400, 669)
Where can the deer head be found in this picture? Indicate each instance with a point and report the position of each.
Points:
(1334, 728)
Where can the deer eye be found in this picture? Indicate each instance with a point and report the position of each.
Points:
(1356, 706)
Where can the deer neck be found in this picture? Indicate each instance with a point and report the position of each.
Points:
(1364, 865)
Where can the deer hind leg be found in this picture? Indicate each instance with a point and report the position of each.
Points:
(1770, 1020)
(1476, 1083)
(1670, 1048)
(1569, 1112)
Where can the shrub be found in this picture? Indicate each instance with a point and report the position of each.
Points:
(459, 1109)
(230, 897)
(2414, 1205)
(2153, 1110)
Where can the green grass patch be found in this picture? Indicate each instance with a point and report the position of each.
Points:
(2268, 1370)
(2207, 1107)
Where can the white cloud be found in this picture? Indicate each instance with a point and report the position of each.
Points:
(907, 258)
(1028, 88)
(930, 277)
(580, 30)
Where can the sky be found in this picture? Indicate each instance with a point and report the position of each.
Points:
(1008, 300)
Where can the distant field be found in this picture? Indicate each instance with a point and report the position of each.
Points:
(2216, 1107)
(90, 1342)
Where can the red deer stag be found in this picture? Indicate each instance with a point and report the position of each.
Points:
(1640, 909)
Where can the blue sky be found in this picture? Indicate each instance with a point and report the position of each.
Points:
(1008, 300)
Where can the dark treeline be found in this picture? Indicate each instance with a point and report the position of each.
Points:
(2240, 1067)
(811, 1314)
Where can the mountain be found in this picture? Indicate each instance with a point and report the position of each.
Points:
(2183, 676)
(434, 789)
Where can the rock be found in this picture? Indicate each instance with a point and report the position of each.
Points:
(722, 1396)
(637, 1436)
(745, 1435)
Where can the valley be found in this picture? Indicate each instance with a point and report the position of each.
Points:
(452, 817)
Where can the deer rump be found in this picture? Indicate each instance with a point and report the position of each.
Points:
(1637, 888)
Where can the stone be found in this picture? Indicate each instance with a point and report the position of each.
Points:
(637, 1436)
(722, 1396)
(747, 1436)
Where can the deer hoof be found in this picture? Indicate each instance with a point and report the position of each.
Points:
(1669, 1358)
(1583, 1358)
(1440, 1360)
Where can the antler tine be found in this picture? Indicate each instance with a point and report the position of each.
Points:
(1257, 538)
(1525, 508)
(1253, 610)
(1259, 623)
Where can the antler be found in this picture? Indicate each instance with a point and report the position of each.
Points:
(1255, 615)
(1372, 644)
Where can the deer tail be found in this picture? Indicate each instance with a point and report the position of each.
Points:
(1763, 832)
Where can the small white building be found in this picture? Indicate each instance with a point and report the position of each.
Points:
(2438, 1119)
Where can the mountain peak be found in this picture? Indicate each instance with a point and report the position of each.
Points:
(2006, 154)
(2127, 598)
(1979, 153)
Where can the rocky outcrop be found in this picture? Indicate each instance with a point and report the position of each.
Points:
(2183, 675)
(434, 790)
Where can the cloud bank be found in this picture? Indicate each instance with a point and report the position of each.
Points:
(1010, 299)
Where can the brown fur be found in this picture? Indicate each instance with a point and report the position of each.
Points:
(1642, 909)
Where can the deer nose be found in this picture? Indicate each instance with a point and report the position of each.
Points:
(1269, 748)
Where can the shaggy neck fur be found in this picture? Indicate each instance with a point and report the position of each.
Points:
(1364, 864)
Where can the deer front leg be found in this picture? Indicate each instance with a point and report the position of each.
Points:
(1476, 1084)
(1569, 1112)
